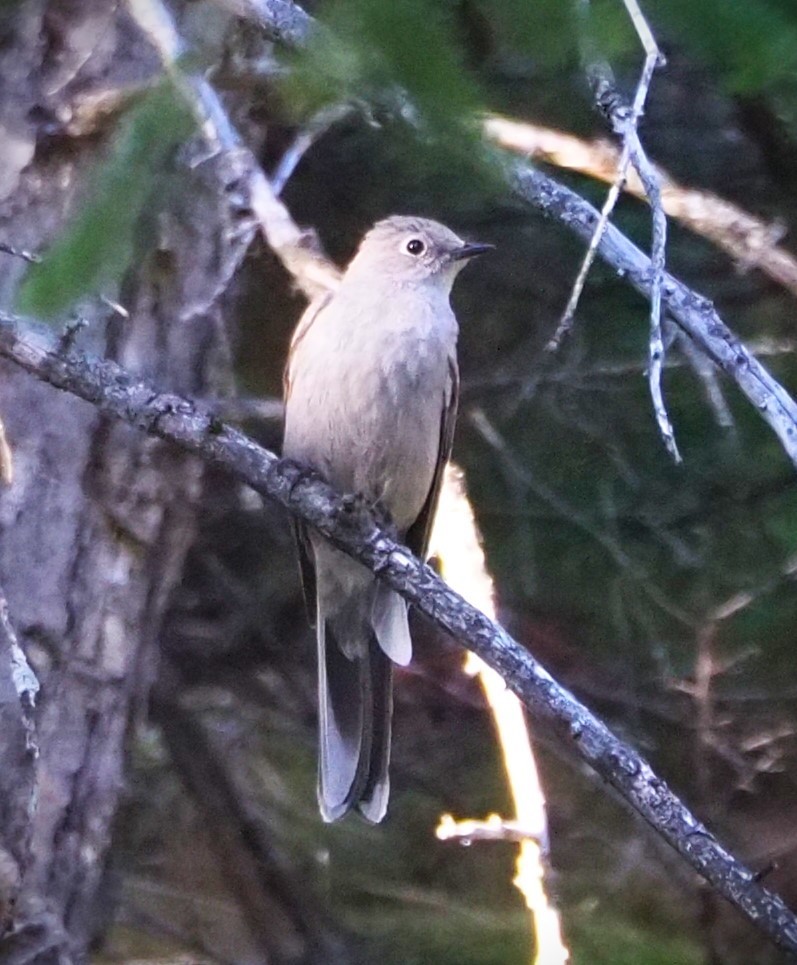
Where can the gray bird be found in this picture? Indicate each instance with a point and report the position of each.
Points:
(370, 402)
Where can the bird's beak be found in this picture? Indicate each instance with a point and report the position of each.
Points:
(469, 251)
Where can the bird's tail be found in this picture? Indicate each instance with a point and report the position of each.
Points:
(355, 699)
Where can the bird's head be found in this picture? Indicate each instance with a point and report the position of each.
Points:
(413, 250)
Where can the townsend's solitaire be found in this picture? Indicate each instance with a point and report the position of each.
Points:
(371, 396)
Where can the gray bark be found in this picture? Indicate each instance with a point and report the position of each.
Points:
(18, 750)
(94, 531)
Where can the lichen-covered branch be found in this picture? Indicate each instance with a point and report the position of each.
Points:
(751, 241)
(197, 430)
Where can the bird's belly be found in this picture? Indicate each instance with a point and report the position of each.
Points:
(398, 458)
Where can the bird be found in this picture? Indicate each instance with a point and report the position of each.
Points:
(371, 389)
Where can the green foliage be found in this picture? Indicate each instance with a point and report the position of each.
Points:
(543, 29)
(611, 941)
(405, 56)
(372, 46)
(753, 45)
(95, 248)
(448, 935)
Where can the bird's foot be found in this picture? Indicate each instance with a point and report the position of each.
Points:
(383, 519)
(298, 473)
(357, 505)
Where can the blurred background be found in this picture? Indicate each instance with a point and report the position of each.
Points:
(662, 595)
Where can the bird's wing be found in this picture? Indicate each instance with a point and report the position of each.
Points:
(306, 565)
(421, 530)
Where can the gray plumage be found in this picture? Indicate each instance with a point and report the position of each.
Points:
(371, 394)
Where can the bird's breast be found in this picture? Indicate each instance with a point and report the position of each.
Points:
(367, 400)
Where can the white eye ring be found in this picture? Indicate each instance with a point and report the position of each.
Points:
(415, 247)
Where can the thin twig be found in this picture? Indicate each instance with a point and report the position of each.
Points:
(624, 119)
(311, 132)
(706, 371)
(493, 828)
(574, 517)
(568, 316)
(193, 428)
(656, 351)
(22, 253)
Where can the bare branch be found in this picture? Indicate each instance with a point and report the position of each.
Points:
(315, 128)
(193, 428)
(22, 253)
(749, 240)
(298, 249)
(624, 119)
(693, 313)
(493, 828)
(568, 315)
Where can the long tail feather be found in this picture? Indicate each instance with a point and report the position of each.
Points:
(355, 709)
(375, 794)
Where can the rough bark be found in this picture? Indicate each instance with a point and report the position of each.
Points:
(95, 529)
(18, 750)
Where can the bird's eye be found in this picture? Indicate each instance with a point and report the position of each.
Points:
(415, 246)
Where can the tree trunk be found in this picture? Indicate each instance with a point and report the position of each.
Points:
(96, 525)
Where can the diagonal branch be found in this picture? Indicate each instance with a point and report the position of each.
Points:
(693, 313)
(194, 428)
(750, 241)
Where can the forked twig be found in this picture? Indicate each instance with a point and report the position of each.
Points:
(624, 119)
